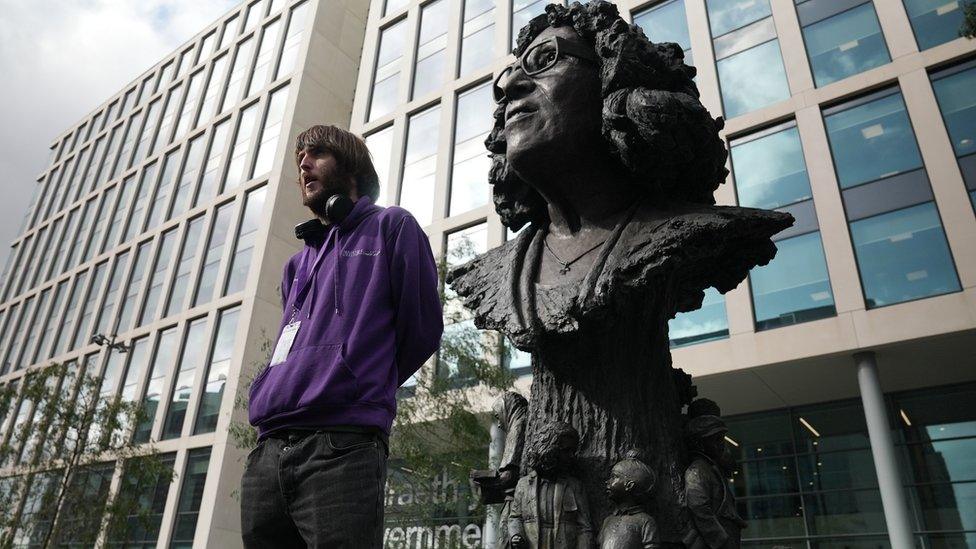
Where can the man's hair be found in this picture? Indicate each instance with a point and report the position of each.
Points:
(653, 121)
(351, 154)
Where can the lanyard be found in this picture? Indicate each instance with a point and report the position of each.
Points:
(306, 277)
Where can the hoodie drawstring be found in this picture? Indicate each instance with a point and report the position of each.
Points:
(337, 252)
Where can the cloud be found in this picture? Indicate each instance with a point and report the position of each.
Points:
(60, 59)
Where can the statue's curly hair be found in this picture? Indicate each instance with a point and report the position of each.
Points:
(653, 121)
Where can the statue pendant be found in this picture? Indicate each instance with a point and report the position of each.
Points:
(564, 269)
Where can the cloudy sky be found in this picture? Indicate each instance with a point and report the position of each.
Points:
(59, 59)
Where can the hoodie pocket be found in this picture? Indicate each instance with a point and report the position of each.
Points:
(315, 376)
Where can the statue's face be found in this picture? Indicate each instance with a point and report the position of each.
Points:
(619, 484)
(554, 115)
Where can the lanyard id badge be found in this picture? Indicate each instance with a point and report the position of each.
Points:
(283, 347)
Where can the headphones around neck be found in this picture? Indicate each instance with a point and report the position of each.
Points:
(337, 208)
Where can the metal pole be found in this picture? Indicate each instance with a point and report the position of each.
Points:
(883, 450)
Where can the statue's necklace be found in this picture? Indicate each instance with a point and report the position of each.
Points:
(565, 264)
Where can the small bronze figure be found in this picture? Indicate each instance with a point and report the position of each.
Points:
(630, 526)
(713, 520)
(550, 509)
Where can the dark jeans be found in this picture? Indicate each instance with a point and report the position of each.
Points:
(314, 489)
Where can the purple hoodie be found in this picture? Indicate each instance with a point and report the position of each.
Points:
(371, 318)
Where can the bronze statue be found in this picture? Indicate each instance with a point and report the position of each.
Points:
(549, 509)
(602, 150)
(629, 526)
(713, 519)
(498, 486)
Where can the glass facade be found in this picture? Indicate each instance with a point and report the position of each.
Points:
(666, 22)
(897, 234)
(841, 40)
(953, 90)
(934, 22)
(705, 324)
(469, 174)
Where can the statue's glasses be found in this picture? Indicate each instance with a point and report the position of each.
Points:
(542, 57)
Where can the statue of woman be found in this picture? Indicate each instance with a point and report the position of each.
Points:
(603, 152)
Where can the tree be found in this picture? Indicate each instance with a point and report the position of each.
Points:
(968, 28)
(69, 437)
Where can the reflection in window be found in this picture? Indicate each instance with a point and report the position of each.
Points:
(45, 349)
(128, 142)
(666, 22)
(705, 324)
(188, 112)
(164, 189)
(394, 5)
(380, 145)
(954, 92)
(138, 362)
(903, 255)
(148, 129)
(770, 172)
(461, 339)
(431, 55)
(386, 80)
(194, 350)
(240, 262)
(293, 40)
(188, 176)
(88, 309)
(147, 504)
(136, 220)
(230, 32)
(728, 15)
(240, 149)
(420, 165)
(267, 145)
(194, 480)
(24, 354)
(169, 116)
(213, 390)
(238, 74)
(261, 74)
(208, 105)
(129, 300)
(477, 36)
(523, 11)
(68, 320)
(181, 280)
(118, 217)
(163, 363)
(215, 250)
(898, 239)
(935, 21)
(469, 174)
(254, 14)
(211, 171)
(752, 79)
(840, 41)
(164, 259)
(104, 323)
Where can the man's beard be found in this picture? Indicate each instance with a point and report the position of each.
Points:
(331, 184)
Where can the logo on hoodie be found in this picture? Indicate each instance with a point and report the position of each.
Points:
(356, 253)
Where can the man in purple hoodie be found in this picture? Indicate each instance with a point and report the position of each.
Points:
(361, 314)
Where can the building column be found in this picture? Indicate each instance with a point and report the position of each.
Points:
(883, 450)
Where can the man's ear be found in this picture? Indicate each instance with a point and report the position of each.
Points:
(629, 485)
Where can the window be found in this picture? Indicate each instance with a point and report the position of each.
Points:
(188, 112)
(144, 92)
(191, 496)
(215, 250)
(148, 497)
(169, 115)
(94, 245)
(68, 320)
(128, 142)
(130, 302)
(394, 5)
(241, 148)
(267, 146)
(163, 260)
(211, 170)
(429, 71)
(167, 347)
(254, 14)
(56, 247)
(91, 484)
(188, 176)
(230, 32)
(54, 437)
(103, 322)
(181, 280)
(293, 40)
(120, 213)
(707, 323)
(46, 348)
(477, 36)
(138, 362)
(666, 22)
(207, 46)
(386, 79)
(88, 309)
(935, 21)
(165, 76)
(36, 516)
(194, 348)
(953, 90)
(898, 238)
(137, 220)
(186, 61)
(264, 64)
(380, 145)
(148, 130)
(770, 172)
(750, 67)
(469, 174)
(88, 181)
(240, 262)
(841, 40)
(208, 106)
(420, 165)
(523, 11)
(461, 338)
(238, 74)
(128, 102)
(218, 371)
(31, 330)
(164, 189)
